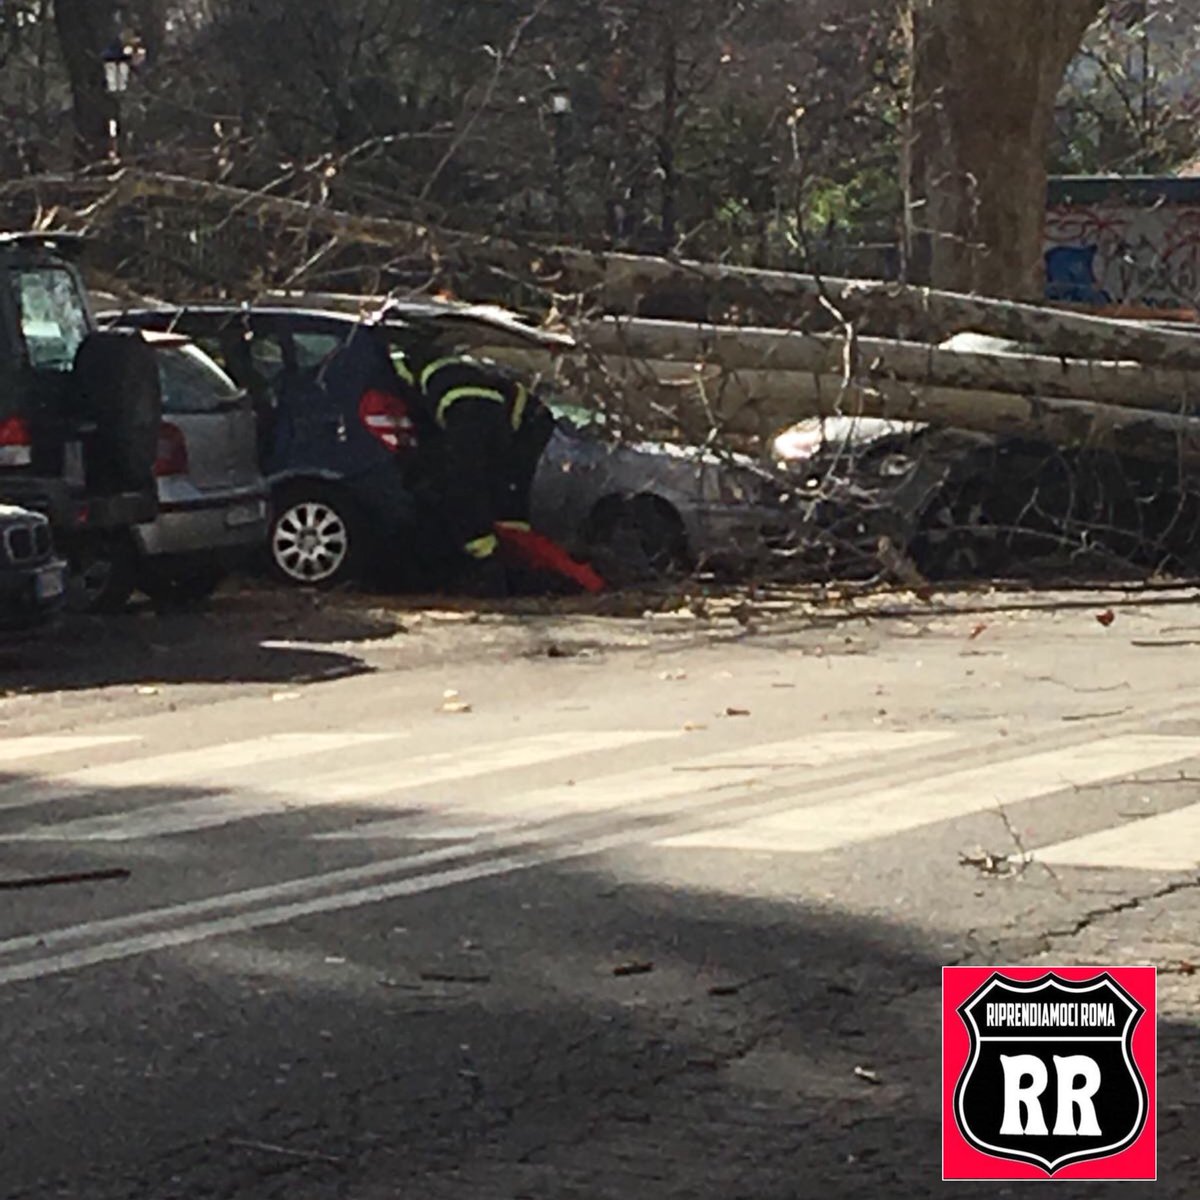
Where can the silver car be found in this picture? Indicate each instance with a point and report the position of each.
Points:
(212, 496)
(644, 509)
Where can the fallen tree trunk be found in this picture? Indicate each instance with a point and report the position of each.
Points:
(751, 402)
(1127, 384)
(624, 282)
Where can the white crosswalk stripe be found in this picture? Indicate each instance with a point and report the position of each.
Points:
(1170, 842)
(855, 817)
(187, 768)
(284, 790)
(755, 767)
(24, 749)
(821, 806)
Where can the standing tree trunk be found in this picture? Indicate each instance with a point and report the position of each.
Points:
(85, 28)
(985, 77)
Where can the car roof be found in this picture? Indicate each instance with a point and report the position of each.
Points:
(484, 324)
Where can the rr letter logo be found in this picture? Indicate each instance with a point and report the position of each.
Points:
(1048, 1073)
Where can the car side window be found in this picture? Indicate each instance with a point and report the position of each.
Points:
(192, 382)
(267, 357)
(312, 349)
(54, 321)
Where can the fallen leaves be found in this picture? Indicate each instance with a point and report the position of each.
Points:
(453, 703)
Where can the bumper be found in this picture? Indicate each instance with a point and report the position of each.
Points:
(230, 526)
(32, 595)
(71, 512)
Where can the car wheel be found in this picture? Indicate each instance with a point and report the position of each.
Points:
(637, 539)
(103, 576)
(316, 536)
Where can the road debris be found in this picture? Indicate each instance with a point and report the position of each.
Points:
(453, 977)
(986, 863)
(452, 702)
(284, 1152)
(38, 881)
(867, 1075)
(737, 712)
(1106, 618)
(632, 968)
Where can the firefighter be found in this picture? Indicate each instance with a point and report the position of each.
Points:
(493, 432)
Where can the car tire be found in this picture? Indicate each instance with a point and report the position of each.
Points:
(637, 539)
(103, 575)
(317, 536)
(117, 387)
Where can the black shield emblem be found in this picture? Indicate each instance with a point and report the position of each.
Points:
(1050, 1078)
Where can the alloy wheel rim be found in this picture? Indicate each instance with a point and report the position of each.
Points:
(311, 542)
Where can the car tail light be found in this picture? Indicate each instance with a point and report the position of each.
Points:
(386, 417)
(172, 451)
(16, 443)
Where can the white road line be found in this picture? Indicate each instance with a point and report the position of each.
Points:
(377, 781)
(1170, 842)
(709, 794)
(748, 766)
(186, 768)
(836, 823)
(87, 956)
(15, 750)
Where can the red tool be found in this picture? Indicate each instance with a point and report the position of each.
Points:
(536, 552)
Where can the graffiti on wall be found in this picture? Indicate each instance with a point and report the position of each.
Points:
(1114, 253)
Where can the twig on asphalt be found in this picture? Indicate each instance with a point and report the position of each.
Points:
(1026, 857)
(1097, 716)
(271, 1148)
(39, 881)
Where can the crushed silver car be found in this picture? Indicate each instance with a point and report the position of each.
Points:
(642, 509)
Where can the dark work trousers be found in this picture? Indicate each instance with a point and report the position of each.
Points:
(489, 467)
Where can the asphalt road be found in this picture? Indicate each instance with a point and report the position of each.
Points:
(546, 904)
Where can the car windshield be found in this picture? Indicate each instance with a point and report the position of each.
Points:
(192, 382)
(54, 321)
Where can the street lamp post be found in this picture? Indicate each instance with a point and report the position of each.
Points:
(560, 114)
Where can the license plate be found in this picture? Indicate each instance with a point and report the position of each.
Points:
(50, 583)
(246, 514)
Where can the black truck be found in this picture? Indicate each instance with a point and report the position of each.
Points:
(80, 410)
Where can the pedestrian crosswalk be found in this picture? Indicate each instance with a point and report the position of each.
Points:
(809, 794)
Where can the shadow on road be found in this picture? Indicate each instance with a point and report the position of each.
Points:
(241, 637)
(553, 1033)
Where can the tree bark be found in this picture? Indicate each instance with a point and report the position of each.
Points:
(985, 75)
(85, 28)
(759, 403)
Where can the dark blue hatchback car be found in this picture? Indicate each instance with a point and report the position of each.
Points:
(348, 458)
(335, 433)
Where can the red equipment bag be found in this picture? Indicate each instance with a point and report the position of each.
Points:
(535, 552)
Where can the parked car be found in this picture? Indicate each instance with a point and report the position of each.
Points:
(79, 410)
(33, 580)
(641, 509)
(212, 498)
(964, 505)
(337, 441)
